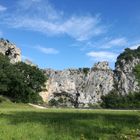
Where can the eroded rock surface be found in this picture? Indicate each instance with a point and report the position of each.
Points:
(10, 50)
(79, 86)
(125, 78)
(84, 87)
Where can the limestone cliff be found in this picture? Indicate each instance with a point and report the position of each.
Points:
(86, 86)
(79, 86)
(124, 74)
(10, 50)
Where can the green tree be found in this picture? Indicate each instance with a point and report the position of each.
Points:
(137, 73)
(20, 82)
(33, 76)
(128, 55)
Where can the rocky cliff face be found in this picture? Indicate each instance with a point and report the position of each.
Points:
(125, 78)
(10, 50)
(79, 86)
(84, 87)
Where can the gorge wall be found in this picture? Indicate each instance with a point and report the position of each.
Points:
(79, 86)
(85, 86)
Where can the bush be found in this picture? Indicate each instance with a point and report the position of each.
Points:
(117, 101)
(53, 102)
(94, 106)
(86, 70)
(2, 99)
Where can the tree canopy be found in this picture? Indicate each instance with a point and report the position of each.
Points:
(137, 73)
(128, 54)
(20, 82)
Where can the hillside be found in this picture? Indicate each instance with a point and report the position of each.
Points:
(85, 88)
(81, 87)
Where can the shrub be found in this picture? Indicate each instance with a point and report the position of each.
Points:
(53, 102)
(117, 101)
(94, 106)
(86, 70)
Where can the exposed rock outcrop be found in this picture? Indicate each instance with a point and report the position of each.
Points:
(10, 50)
(83, 87)
(124, 73)
(79, 86)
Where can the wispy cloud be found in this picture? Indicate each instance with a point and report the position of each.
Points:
(2, 8)
(103, 56)
(26, 58)
(117, 42)
(47, 50)
(50, 21)
(134, 46)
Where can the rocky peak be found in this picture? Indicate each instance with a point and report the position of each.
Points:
(84, 85)
(9, 49)
(101, 66)
(124, 74)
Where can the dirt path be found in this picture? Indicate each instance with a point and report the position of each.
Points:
(37, 106)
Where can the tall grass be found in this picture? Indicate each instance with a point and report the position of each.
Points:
(21, 122)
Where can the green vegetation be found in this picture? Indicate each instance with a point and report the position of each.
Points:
(53, 102)
(94, 106)
(20, 82)
(129, 101)
(22, 122)
(128, 55)
(118, 101)
(137, 73)
(85, 70)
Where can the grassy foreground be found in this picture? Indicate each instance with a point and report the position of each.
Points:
(21, 122)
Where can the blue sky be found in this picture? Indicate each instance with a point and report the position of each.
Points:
(63, 34)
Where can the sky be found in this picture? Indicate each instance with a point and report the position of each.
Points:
(62, 34)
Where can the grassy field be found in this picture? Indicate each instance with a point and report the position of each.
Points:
(22, 122)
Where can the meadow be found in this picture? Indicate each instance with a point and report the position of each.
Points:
(23, 122)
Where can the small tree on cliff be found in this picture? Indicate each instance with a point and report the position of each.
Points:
(137, 73)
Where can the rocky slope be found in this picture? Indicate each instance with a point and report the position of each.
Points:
(80, 87)
(124, 74)
(10, 50)
(84, 87)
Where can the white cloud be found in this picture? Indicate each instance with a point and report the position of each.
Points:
(102, 56)
(26, 58)
(2, 8)
(134, 46)
(117, 42)
(47, 50)
(41, 16)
